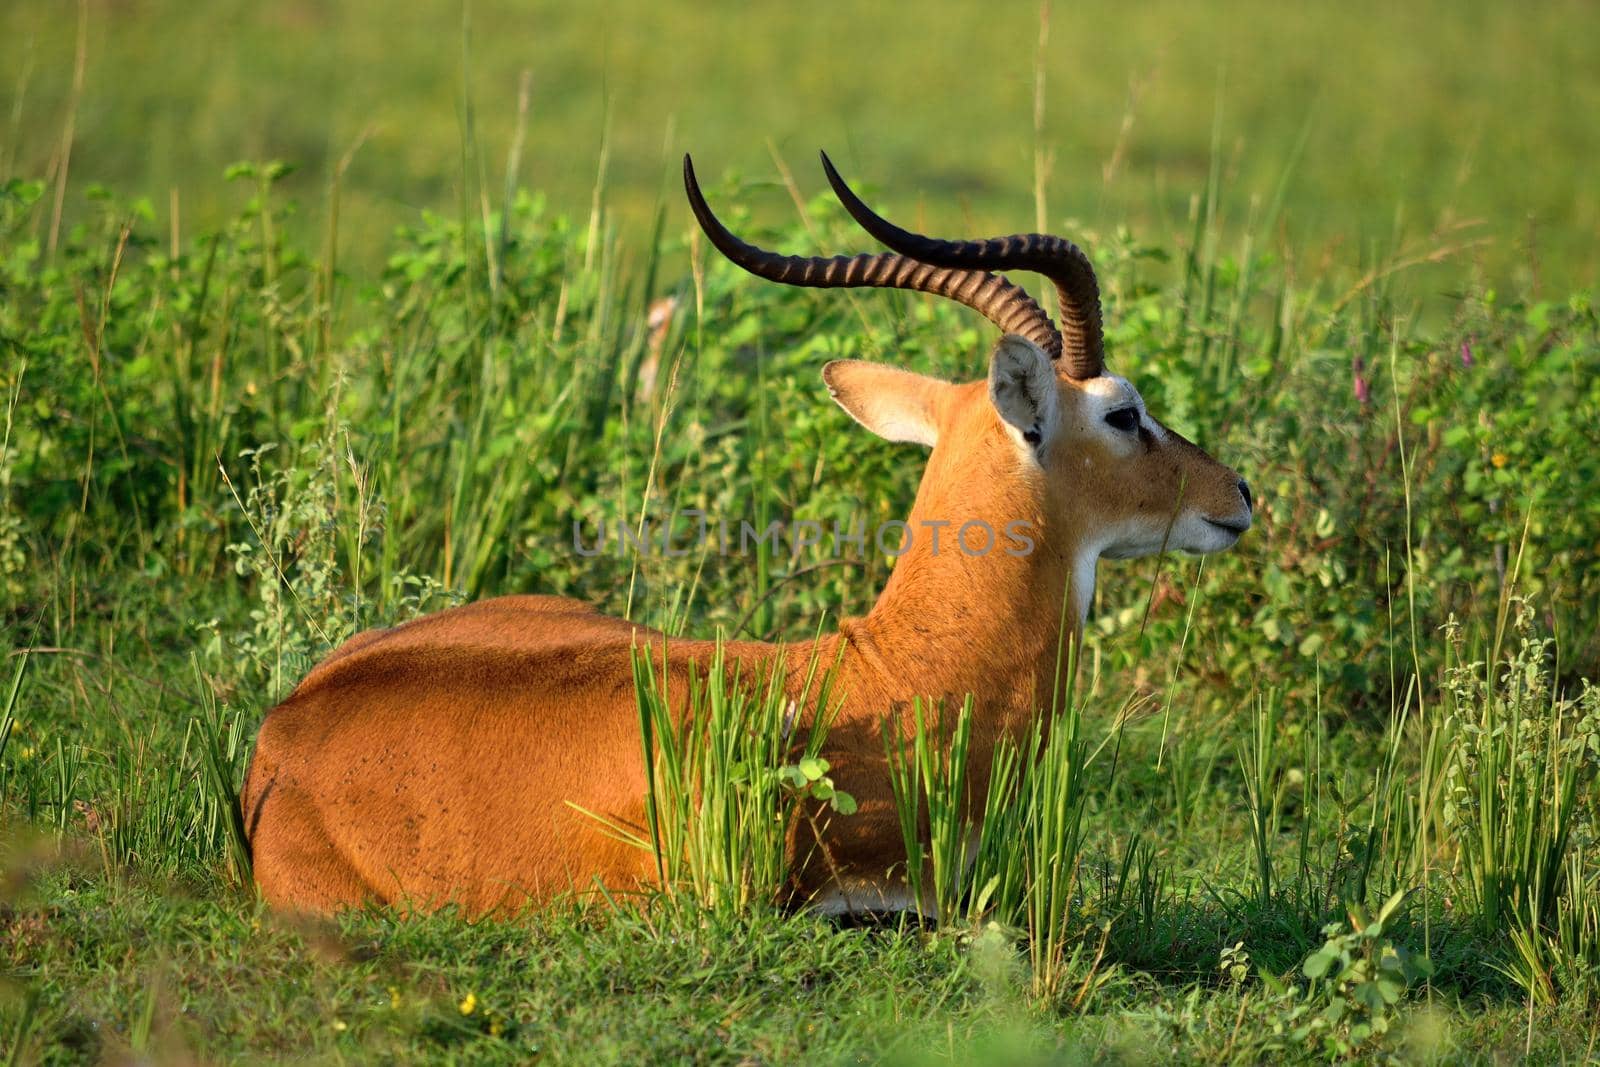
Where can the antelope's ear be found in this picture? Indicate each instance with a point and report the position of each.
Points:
(1022, 387)
(897, 405)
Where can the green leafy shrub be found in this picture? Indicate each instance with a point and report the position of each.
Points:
(1347, 1009)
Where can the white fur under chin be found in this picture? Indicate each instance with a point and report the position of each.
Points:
(1190, 533)
(1194, 533)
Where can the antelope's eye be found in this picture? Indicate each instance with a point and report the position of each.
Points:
(1124, 419)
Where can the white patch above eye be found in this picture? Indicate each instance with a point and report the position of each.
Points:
(1109, 393)
(1111, 387)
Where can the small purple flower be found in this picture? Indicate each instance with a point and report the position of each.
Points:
(1466, 353)
(1363, 391)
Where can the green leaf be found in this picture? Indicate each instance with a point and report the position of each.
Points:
(1369, 996)
(843, 803)
(1318, 963)
(1391, 905)
(813, 767)
(980, 903)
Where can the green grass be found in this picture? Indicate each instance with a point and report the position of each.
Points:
(224, 453)
(221, 977)
(728, 783)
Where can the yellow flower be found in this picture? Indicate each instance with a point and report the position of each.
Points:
(1499, 459)
(469, 1005)
(340, 1025)
(394, 997)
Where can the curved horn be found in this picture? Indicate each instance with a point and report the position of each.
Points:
(1054, 257)
(1007, 306)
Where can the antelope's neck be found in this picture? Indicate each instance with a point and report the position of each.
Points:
(956, 619)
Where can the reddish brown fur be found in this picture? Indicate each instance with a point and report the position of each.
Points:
(439, 761)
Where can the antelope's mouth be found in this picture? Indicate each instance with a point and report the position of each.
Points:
(1236, 529)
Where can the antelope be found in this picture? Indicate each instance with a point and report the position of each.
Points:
(461, 758)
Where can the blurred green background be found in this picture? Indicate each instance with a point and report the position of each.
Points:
(1388, 120)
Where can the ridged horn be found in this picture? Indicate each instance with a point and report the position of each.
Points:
(1006, 305)
(1058, 259)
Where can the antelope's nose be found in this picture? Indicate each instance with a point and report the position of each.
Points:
(1244, 491)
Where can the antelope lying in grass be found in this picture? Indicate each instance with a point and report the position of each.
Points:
(442, 761)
